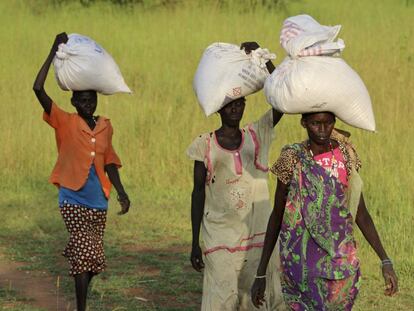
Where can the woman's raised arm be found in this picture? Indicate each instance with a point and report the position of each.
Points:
(38, 86)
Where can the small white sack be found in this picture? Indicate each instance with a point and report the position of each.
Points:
(301, 35)
(310, 79)
(226, 73)
(82, 64)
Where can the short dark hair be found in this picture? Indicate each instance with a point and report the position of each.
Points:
(76, 94)
(308, 114)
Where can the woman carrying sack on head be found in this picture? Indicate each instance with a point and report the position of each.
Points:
(314, 217)
(230, 205)
(86, 167)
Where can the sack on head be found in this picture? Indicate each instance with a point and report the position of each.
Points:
(226, 73)
(82, 64)
(312, 79)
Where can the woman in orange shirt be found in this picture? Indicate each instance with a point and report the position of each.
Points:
(86, 167)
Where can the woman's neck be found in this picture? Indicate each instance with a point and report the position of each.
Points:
(319, 149)
(90, 121)
(228, 131)
(229, 138)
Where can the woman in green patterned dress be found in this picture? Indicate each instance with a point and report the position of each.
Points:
(313, 217)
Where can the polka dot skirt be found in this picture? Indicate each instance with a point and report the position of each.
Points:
(85, 247)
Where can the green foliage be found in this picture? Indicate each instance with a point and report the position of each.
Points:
(151, 4)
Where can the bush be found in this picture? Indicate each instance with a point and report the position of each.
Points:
(240, 4)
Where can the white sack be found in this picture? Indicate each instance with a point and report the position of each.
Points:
(309, 80)
(82, 64)
(226, 73)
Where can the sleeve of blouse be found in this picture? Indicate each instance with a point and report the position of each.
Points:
(110, 155)
(350, 149)
(354, 157)
(197, 149)
(57, 116)
(285, 164)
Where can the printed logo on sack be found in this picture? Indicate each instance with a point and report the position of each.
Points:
(237, 91)
(319, 105)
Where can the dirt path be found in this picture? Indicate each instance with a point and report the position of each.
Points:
(39, 289)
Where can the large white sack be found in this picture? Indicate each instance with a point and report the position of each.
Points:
(226, 73)
(320, 83)
(305, 83)
(82, 64)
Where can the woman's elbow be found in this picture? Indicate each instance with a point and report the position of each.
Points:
(38, 89)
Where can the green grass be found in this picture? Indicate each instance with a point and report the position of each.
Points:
(11, 301)
(158, 272)
(158, 51)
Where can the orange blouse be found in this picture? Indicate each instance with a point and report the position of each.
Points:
(79, 147)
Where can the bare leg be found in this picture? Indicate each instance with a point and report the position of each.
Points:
(81, 286)
(90, 275)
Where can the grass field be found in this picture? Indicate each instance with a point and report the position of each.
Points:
(158, 51)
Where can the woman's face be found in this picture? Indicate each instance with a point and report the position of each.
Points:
(319, 126)
(232, 113)
(85, 103)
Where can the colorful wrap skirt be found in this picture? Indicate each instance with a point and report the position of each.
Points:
(86, 227)
(322, 294)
